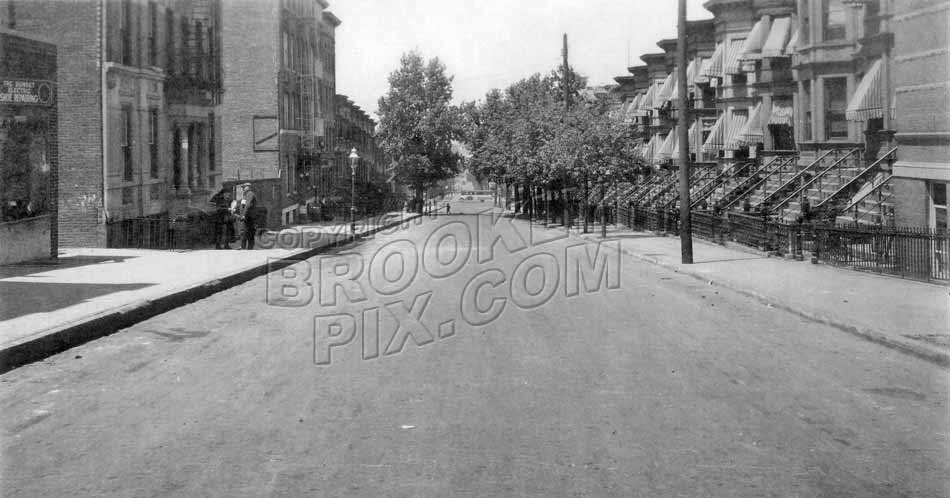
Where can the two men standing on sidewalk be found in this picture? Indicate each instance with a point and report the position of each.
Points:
(243, 210)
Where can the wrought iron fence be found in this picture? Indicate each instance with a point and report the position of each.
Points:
(159, 232)
(906, 252)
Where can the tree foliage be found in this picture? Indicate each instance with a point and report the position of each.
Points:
(526, 134)
(418, 123)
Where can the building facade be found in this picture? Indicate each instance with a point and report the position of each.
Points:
(279, 76)
(833, 110)
(355, 129)
(139, 85)
(28, 148)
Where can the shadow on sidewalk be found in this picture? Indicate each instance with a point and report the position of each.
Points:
(45, 265)
(26, 298)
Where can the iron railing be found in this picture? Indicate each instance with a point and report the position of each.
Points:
(794, 181)
(818, 181)
(159, 232)
(757, 177)
(913, 253)
(709, 187)
(853, 185)
(906, 252)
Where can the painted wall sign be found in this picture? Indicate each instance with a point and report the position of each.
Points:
(29, 92)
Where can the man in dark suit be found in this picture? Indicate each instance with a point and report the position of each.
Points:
(248, 215)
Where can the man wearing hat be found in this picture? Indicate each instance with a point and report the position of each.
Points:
(248, 212)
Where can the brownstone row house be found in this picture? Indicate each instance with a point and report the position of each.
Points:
(838, 107)
(355, 130)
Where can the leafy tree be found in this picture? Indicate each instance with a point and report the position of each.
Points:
(418, 123)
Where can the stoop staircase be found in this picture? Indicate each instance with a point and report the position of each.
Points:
(827, 179)
(747, 186)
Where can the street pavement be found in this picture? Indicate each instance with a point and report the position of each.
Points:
(520, 373)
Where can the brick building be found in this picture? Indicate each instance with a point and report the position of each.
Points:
(137, 96)
(279, 76)
(355, 129)
(28, 148)
(920, 78)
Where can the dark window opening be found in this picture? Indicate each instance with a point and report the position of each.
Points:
(176, 158)
(833, 22)
(153, 142)
(836, 102)
(126, 137)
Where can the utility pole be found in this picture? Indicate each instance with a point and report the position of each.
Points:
(686, 234)
(565, 83)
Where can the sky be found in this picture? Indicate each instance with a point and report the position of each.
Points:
(489, 44)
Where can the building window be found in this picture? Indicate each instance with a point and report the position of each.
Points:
(152, 34)
(805, 23)
(833, 21)
(836, 101)
(153, 142)
(25, 169)
(185, 57)
(128, 196)
(211, 144)
(125, 32)
(286, 51)
(125, 141)
(940, 212)
(169, 42)
(200, 50)
(176, 158)
(805, 102)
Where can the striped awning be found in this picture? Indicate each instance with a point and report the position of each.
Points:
(730, 57)
(646, 102)
(712, 68)
(618, 112)
(639, 151)
(631, 111)
(655, 143)
(690, 76)
(695, 137)
(751, 132)
(752, 47)
(666, 90)
(793, 41)
(662, 153)
(697, 65)
(716, 139)
(781, 114)
(775, 44)
(736, 123)
(675, 147)
(867, 102)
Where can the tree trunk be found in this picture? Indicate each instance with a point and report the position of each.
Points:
(586, 206)
(603, 211)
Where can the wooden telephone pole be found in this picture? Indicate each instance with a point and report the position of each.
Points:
(567, 106)
(686, 234)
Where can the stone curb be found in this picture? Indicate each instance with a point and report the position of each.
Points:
(933, 355)
(64, 337)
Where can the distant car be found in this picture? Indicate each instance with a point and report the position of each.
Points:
(469, 198)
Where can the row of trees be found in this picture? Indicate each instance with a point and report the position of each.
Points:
(527, 136)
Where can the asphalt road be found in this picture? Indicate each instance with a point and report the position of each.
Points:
(663, 386)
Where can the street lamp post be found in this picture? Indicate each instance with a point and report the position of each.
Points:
(354, 157)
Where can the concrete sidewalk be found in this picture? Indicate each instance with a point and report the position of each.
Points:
(49, 306)
(911, 316)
